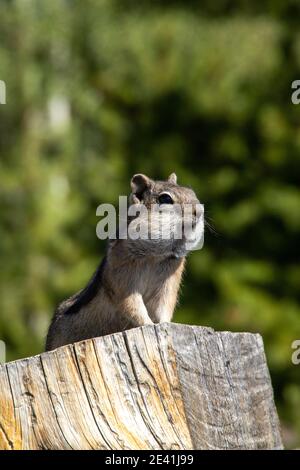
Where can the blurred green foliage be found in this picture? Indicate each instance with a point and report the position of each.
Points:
(100, 89)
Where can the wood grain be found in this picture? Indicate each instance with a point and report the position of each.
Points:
(167, 386)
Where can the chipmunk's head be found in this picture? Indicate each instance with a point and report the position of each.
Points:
(168, 218)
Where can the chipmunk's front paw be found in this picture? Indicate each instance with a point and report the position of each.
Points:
(149, 322)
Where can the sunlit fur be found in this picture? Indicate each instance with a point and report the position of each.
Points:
(138, 281)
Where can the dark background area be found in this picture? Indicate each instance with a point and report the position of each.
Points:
(100, 90)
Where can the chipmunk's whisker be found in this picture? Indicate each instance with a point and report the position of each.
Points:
(210, 227)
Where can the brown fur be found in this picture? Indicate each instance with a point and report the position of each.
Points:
(137, 285)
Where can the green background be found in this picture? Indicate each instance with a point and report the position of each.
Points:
(98, 90)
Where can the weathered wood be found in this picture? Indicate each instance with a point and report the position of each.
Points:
(167, 386)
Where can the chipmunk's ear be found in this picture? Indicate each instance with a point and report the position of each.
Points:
(172, 178)
(139, 183)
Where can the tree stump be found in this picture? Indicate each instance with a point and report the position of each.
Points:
(167, 386)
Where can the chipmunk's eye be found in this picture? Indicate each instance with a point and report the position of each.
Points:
(165, 198)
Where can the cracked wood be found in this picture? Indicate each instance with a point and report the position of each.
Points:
(166, 386)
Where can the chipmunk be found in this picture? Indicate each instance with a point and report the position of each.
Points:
(138, 280)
